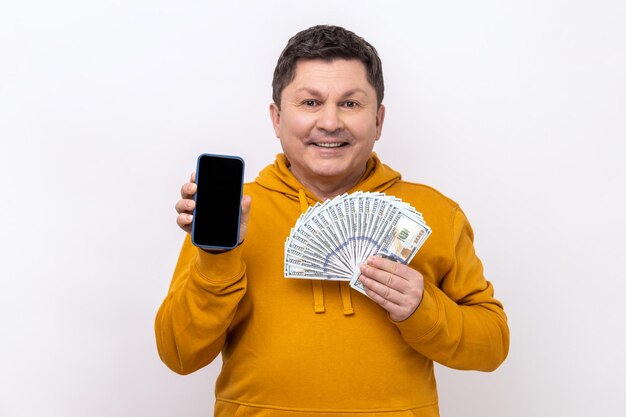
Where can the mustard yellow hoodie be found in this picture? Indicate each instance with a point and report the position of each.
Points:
(320, 348)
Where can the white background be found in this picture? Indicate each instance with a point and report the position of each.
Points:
(517, 110)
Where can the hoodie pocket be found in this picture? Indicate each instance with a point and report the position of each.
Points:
(228, 409)
(240, 412)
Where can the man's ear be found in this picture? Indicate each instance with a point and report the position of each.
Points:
(275, 116)
(380, 119)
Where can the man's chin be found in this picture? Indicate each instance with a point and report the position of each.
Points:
(333, 172)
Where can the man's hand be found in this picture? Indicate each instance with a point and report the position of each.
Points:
(186, 204)
(394, 286)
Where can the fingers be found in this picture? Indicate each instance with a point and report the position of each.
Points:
(185, 214)
(389, 273)
(383, 284)
(396, 287)
(184, 220)
(380, 292)
(184, 207)
(188, 190)
(389, 265)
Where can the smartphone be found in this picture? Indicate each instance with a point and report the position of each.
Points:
(219, 180)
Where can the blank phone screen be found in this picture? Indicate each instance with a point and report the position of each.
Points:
(218, 199)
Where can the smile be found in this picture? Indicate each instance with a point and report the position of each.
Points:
(330, 145)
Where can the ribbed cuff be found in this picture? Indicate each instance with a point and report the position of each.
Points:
(221, 267)
(424, 319)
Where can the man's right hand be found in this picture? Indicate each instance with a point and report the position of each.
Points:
(186, 204)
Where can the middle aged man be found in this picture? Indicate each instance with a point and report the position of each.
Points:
(317, 348)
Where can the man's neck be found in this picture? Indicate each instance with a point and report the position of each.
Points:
(330, 187)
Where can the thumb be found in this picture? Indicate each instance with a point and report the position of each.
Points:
(246, 202)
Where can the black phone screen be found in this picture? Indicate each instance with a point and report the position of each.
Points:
(218, 199)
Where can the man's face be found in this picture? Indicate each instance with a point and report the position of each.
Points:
(328, 121)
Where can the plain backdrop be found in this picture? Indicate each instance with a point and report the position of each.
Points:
(517, 110)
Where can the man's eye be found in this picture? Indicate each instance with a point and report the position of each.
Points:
(350, 104)
(309, 103)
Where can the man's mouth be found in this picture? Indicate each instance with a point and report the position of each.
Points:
(330, 145)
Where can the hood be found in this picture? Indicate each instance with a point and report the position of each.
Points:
(278, 177)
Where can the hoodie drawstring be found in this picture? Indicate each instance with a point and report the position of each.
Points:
(346, 298)
(318, 296)
(304, 204)
(316, 285)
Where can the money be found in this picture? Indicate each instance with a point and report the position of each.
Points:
(332, 239)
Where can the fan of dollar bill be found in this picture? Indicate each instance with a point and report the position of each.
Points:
(332, 239)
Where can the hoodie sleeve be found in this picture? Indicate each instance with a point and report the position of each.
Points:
(459, 323)
(192, 322)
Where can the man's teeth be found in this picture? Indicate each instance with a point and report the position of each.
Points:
(329, 145)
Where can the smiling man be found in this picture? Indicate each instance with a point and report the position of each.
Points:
(328, 119)
(318, 348)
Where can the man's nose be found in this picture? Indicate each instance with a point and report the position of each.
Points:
(330, 118)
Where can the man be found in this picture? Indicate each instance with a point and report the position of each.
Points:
(318, 347)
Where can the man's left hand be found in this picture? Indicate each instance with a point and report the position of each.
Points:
(394, 286)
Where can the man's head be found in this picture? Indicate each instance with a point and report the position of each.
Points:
(327, 109)
(326, 43)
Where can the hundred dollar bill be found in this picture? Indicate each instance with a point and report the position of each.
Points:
(332, 239)
(298, 271)
(404, 239)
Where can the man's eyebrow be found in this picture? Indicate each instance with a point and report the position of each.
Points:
(308, 90)
(316, 93)
(353, 92)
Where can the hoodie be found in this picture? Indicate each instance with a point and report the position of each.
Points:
(318, 347)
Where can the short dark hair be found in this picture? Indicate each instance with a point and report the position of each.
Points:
(327, 43)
